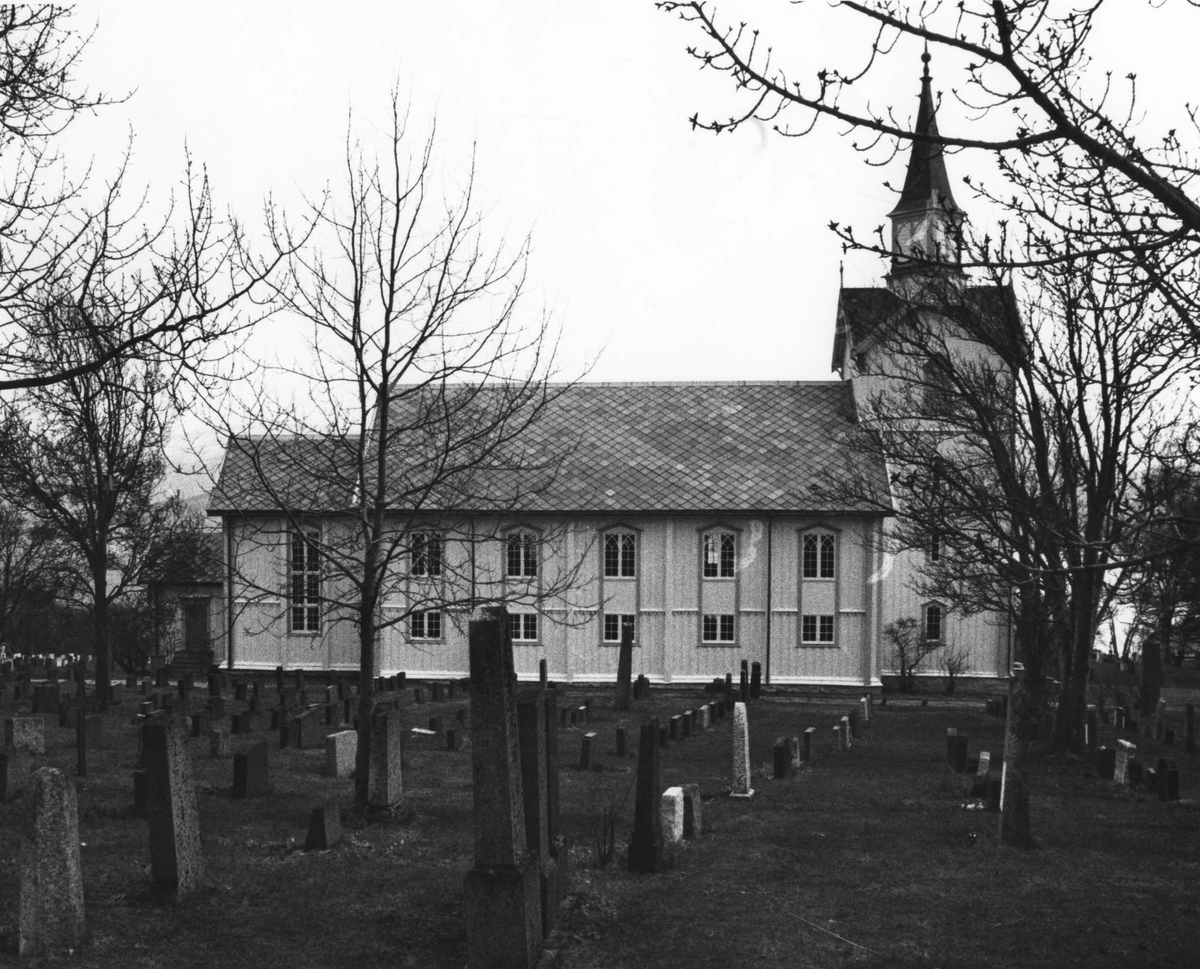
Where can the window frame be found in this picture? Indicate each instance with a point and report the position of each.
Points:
(620, 617)
(824, 629)
(719, 625)
(309, 600)
(523, 620)
(424, 635)
(937, 609)
(726, 541)
(825, 555)
(426, 551)
(624, 544)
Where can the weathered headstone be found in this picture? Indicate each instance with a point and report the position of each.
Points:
(782, 758)
(844, 724)
(693, 823)
(623, 696)
(1125, 753)
(806, 747)
(340, 751)
(671, 816)
(251, 771)
(26, 733)
(621, 742)
(324, 828)
(744, 684)
(741, 753)
(534, 718)
(1106, 762)
(959, 753)
(14, 773)
(1168, 779)
(1091, 726)
(646, 853)
(51, 886)
(755, 680)
(703, 717)
(386, 786)
(502, 892)
(176, 861)
(985, 763)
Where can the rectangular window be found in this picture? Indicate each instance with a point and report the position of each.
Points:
(817, 557)
(305, 580)
(620, 556)
(426, 550)
(816, 629)
(933, 623)
(717, 628)
(720, 553)
(613, 624)
(522, 555)
(425, 625)
(935, 547)
(524, 627)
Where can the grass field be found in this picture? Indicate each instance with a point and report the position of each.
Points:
(870, 857)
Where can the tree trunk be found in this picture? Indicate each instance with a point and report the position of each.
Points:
(1020, 726)
(366, 711)
(100, 633)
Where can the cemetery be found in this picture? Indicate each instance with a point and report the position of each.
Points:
(520, 823)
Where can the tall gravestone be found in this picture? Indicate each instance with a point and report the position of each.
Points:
(646, 853)
(51, 905)
(622, 700)
(502, 892)
(533, 719)
(741, 753)
(385, 784)
(176, 861)
(755, 680)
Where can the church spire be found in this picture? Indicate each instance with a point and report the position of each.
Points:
(926, 217)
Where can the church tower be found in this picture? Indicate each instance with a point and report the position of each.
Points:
(926, 222)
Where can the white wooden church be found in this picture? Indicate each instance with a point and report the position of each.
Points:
(693, 510)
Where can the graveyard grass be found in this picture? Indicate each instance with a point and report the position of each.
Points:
(869, 857)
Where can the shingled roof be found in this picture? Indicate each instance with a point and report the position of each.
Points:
(646, 447)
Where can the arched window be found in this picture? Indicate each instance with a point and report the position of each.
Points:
(720, 555)
(620, 555)
(934, 622)
(522, 554)
(819, 557)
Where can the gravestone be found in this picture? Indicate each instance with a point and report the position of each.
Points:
(951, 733)
(1160, 719)
(621, 742)
(985, 763)
(741, 753)
(864, 709)
(755, 680)
(533, 707)
(218, 742)
(502, 892)
(1106, 763)
(51, 882)
(744, 684)
(1091, 726)
(703, 717)
(1125, 753)
(324, 828)
(673, 728)
(671, 817)
(585, 751)
(806, 746)
(176, 861)
(959, 753)
(435, 690)
(622, 699)
(1168, 779)
(340, 751)
(693, 823)
(685, 724)
(646, 855)
(14, 773)
(26, 733)
(251, 771)
(844, 724)
(797, 759)
(782, 758)
(386, 786)
(309, 732)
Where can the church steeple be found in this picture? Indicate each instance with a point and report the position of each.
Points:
(926, 220)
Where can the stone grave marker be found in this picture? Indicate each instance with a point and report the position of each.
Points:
(959, 760)
(502, 892)
(1125, 753)
(741, 753)
(14, 773)
(386, 767)
(845, 729)
(26, 733)
(1168, 779)
(533, 718)
(782, 758)
(797, 759)
(703, 717)
(218, 742)
(673, 728)
(251, 771)
(806, 746)
(1091, 726)
(671, 817)
(324, 828)
(176, 860)
(755, 680)
(985, 763)
(646, 855)
(51, 881)
(693, 823)
(585, 751)
(340, 751)
(621, 742)
(308, 731)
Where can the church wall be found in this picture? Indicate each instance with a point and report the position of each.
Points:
(669, 595)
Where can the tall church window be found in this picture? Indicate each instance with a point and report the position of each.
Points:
(426, 551)
(522, 555)
(934, 623)
(305, 580)
(720, 555)
(818, 556)
(620, 555)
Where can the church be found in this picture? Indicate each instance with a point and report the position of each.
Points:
(698, 513)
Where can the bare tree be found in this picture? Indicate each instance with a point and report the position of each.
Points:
(83, 456)
(30, 572)
(412, 443)
(909, 648)
(171, 282)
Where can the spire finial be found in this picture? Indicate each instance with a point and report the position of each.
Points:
(925, 59)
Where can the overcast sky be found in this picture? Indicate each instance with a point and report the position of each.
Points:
(682, 255)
